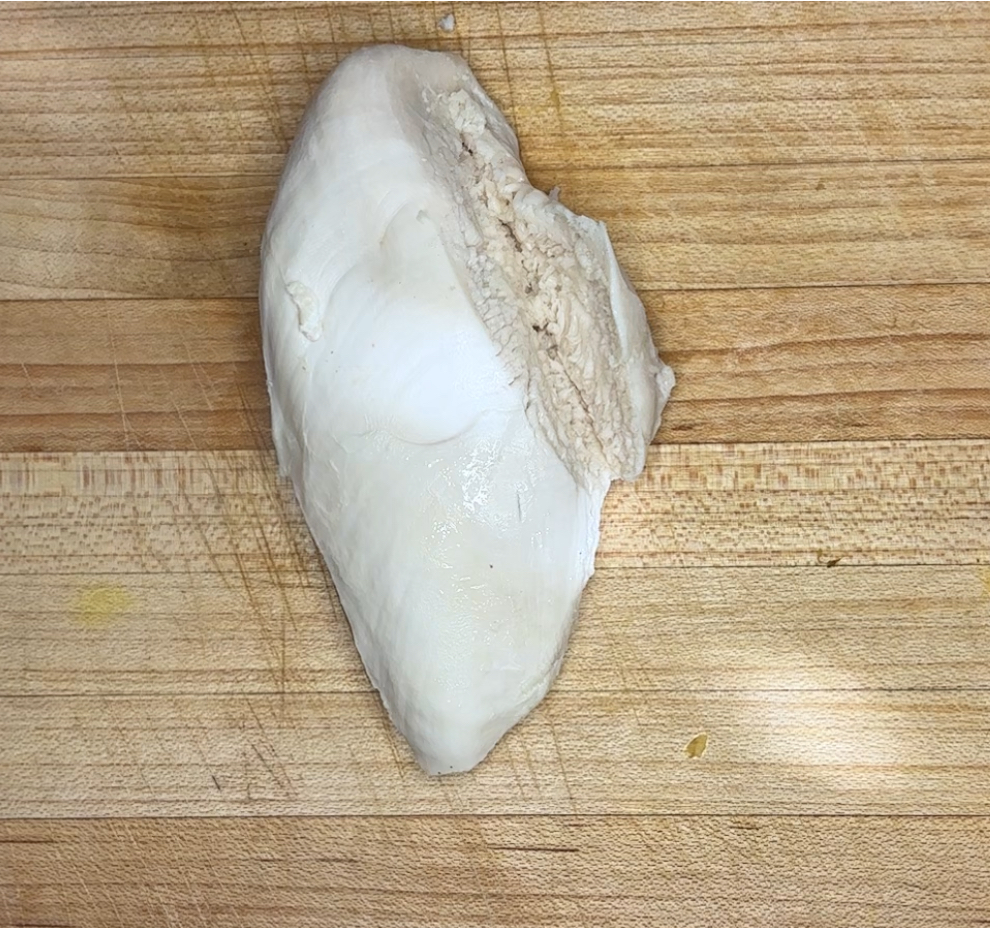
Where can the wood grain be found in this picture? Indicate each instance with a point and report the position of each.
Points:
(800, 580)
(799, 364)
(778, 504)
(490, 871)
(119, 374)
(211, 649)
(794, 752)
(695, 629)
(805, 85)
(686, 228)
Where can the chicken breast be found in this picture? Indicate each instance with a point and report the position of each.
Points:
(458, 369)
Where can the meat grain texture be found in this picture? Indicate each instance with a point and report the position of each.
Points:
(458, 369)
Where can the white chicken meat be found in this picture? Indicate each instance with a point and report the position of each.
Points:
(458, 369)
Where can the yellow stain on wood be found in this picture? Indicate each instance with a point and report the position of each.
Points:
(696, 746)
(985, 578)
(102, 606)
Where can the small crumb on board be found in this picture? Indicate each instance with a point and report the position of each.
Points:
(696, 746)
(827, 559)
(447, 23)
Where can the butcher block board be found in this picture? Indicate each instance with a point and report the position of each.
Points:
(776, 706)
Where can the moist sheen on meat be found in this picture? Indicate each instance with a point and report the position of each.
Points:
(458, 369)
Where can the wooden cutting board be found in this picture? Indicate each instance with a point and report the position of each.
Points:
(776, 706)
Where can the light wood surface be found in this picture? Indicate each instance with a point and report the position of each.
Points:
(776, 706)
(408, 872)
(784, 364)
